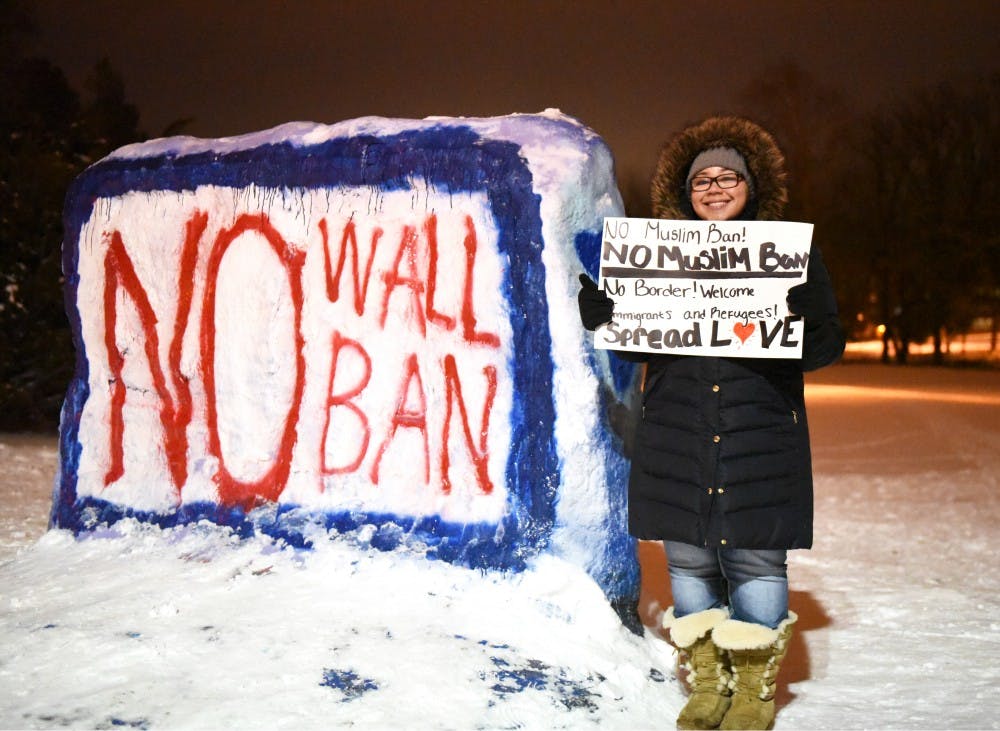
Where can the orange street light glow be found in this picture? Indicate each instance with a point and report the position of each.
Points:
(824, 392)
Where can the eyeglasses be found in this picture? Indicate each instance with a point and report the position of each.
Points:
(726, 180)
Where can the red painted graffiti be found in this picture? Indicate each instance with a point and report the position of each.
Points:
(415, 289)
(480, 457)
(407, 253)
(233, 491)
(345, 399)
(412, 416)
(348, 242)
(119, 273)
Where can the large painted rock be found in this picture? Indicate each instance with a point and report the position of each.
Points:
(368, 329)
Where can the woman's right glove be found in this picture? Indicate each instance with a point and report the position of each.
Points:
(596, 308)
(807, 301)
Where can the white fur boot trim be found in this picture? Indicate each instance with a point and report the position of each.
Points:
(686, 630)
(736, 635)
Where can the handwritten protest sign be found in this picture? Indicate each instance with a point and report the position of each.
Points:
(703, 287)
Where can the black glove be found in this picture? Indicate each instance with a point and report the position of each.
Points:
(808, 302)
(596, 307)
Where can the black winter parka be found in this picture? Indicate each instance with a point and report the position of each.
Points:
(722, 454)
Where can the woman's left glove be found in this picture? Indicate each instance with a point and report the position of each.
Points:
(808, 302)
(596, 308)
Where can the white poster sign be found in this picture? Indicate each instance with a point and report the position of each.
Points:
(703, 287)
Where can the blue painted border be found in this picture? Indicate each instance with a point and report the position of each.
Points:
(620, 577)
(455, 159)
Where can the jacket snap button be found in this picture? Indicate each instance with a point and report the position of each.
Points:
(716, 439)
(709, 491)
(721, 490)
(715, 388)
(723, 541)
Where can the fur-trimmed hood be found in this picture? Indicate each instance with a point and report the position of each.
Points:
(763, 158)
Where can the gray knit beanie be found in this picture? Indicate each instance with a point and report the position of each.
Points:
(724, 157)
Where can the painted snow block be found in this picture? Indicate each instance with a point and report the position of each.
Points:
(367, 328)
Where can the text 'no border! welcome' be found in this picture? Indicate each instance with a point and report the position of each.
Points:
(703, 287)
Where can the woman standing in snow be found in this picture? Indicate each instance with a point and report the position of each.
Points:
(722, 471)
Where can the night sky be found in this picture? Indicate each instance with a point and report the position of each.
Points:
(634, 71)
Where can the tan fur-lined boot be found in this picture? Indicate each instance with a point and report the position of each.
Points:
(755, 654)
(708, 675)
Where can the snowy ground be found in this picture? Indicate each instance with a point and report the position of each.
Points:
(899, 623)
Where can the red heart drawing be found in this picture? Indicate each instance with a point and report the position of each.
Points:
(744, 331)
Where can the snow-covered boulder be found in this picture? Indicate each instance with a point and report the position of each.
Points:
(366, 329)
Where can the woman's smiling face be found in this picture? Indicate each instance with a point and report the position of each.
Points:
(719, 204)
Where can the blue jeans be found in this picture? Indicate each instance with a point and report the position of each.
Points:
(752, 583)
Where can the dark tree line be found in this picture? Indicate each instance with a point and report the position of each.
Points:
(904, 198)
(49, 132)
(926, 182)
